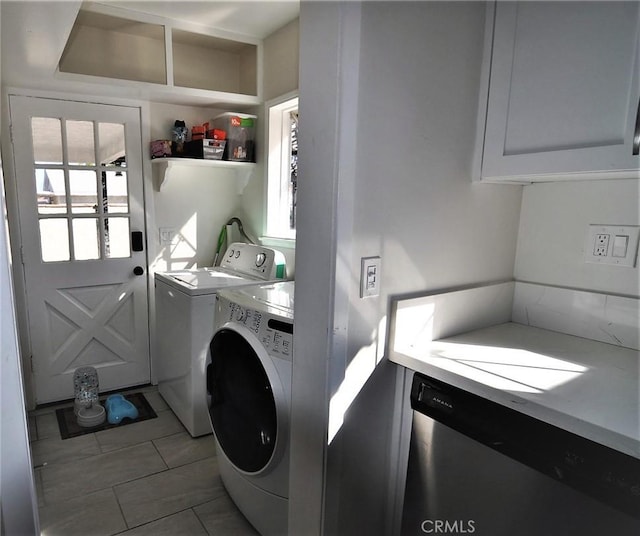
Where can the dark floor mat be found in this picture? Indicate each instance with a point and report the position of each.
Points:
(69, 426)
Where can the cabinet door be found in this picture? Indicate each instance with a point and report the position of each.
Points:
(563, 91)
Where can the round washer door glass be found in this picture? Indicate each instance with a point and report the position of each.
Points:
(243, 409)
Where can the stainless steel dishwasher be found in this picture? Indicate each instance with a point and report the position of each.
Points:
(477, 467)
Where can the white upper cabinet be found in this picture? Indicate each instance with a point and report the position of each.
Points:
(562, 91)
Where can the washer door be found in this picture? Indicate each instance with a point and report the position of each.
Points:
(243, 409)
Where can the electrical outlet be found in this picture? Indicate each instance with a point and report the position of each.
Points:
(167, 234)
(601, 245)
(612, 244)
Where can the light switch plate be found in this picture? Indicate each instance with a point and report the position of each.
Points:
(370, 277)
(605, 244)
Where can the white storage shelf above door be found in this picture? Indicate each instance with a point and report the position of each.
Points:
(561, 91)
(164, 60)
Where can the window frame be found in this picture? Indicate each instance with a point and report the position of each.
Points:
(278, 135)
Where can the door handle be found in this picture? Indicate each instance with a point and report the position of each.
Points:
(138, 270)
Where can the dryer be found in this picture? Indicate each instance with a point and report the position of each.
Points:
(185, 314)
(249, 399)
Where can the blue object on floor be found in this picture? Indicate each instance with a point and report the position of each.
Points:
(118, 407)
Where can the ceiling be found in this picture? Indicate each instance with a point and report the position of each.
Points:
(253, 18)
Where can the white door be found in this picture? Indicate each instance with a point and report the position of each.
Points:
(80, 196)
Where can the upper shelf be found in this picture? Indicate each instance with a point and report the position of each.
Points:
(165, 59)
(168, 166)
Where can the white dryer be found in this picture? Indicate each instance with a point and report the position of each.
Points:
(185, 314)
(249, 397)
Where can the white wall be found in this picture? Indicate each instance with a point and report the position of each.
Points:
(18, 513)
(281, 59)
(324, 80)
(281, 56)
(415, 205)
(19, 505)
(553, 226)
(412, 203)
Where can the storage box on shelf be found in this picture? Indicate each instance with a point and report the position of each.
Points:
(205, 148)
(241, 132)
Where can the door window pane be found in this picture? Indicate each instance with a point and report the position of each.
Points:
(80, 145)
(111, 150)
(47, 140)
(84, 191)
(50, 191)
(116, 191)
(86, 243)
(54, 239)
(117, 238)
(81, 173)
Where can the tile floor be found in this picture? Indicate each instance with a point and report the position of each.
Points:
(147, 478)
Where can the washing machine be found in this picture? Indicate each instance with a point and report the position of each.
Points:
(185, 314)
(249, 399)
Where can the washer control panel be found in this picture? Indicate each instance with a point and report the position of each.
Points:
(274, 334)
(257, 261)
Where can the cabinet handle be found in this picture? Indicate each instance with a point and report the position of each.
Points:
(636, 133)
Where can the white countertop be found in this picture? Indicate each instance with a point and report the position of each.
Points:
(587, 387)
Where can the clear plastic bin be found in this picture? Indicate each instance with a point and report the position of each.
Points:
(241, 134)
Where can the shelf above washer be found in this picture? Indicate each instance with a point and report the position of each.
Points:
(167, 168)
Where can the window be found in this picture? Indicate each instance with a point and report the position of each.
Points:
(81, 187)
(282, 169)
